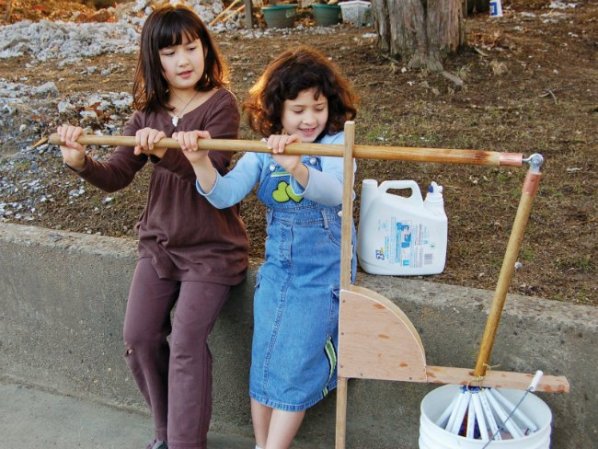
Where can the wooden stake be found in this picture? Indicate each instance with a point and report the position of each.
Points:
(248, 14)
(223, 12)
(233, 13)
(8, 10)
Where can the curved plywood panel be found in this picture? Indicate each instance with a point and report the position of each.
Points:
(377, 340)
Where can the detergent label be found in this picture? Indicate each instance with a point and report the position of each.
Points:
(405, 243)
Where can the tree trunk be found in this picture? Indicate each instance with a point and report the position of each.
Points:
(421, 32)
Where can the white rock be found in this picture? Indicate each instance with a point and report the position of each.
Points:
(46, 88)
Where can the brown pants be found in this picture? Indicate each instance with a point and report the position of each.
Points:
(175, 379)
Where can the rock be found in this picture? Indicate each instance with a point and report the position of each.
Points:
(48, 88)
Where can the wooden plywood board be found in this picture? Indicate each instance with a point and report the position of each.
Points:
(377, 340)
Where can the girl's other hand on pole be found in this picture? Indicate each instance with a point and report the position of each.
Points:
(145, 141)
(188, 142)
(73, 153)
(277, 143)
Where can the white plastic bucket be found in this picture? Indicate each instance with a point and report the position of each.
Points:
(436, 401)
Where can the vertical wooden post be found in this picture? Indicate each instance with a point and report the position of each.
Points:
(347, 208)
(346, 256)
(341, 413)
(249, 14)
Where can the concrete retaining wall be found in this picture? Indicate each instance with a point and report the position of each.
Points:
(63, 295)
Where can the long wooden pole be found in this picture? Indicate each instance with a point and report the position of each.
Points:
(396, 153)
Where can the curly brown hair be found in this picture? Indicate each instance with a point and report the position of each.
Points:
(165, 27)
(289, 74)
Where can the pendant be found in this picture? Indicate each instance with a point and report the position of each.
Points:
(175, 120)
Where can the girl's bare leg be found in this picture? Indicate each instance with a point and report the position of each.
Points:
(283, 428)
(260, 415)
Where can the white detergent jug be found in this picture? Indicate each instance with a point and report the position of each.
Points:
(400, 235)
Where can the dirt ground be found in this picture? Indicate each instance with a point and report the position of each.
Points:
(529, 85)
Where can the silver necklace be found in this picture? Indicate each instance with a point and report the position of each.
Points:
(176, 118)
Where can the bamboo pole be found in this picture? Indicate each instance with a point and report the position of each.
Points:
(395, 153)
(530, 187)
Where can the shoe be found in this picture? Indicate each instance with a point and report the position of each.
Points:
(157, 444)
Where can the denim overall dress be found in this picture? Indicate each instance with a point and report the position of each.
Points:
(296, 302)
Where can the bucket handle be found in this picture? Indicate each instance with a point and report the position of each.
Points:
(415, 196)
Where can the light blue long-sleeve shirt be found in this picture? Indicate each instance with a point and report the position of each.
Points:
(324, 187)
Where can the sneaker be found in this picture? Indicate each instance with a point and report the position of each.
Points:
(157, 444)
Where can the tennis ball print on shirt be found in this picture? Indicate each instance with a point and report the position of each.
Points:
(284, 192)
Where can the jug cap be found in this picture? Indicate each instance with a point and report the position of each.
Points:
(435, 188)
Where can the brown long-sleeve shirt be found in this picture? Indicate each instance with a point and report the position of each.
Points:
(186, 238)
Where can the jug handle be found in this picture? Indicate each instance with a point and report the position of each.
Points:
(403, 185)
